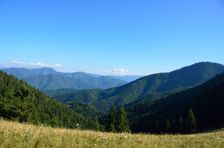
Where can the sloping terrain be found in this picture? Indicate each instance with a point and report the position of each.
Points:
(21, 102)
(149, 87)
(206, 102)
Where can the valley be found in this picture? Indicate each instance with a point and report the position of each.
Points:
(158, 103)
(112, 74)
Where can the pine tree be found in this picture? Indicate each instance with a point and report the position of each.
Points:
(167, 125)
(157, 126)
(97, 125)
(112, 120)
(190, 121)
(173, 126)
(122, 121)
(180, 124)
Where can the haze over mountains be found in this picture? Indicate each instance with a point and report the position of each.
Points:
(149, 87)
(155, 103)
(48, 79)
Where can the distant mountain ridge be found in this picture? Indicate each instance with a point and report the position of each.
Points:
(127, 78)
(148, 87)
(23, 72)
(49, 79)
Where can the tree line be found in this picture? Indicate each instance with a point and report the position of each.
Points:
(117, 121)
(184, 123)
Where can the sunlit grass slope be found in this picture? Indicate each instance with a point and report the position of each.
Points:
(15, 135)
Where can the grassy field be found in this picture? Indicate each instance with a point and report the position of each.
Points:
(16, 135)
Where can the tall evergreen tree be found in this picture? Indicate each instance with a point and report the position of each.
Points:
(167, 125)
(180, 124)
(190, 121)
(122, 121)
(173, 126)
(112, 120)
(97, 125)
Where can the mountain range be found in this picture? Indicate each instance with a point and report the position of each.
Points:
(182, 101)
(149, 87)
(48, 79)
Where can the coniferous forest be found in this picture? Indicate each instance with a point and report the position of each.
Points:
(23, 103)
(195, 109)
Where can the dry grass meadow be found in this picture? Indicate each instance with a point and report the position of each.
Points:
(17, 135)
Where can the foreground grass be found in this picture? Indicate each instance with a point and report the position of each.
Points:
(15, 135)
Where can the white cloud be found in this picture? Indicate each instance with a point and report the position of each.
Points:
(60, 67)
(21, 64)
(118, 71)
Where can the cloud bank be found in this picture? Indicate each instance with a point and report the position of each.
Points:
(30, 65)
(58, 67)
(118, 71)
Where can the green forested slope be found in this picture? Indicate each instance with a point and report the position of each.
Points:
(170, 114)
(149, 87)
(21, 102)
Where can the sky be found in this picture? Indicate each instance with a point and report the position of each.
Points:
(111, 36)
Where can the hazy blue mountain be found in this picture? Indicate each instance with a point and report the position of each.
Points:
(148, 87)
(43, 71)
(23, 72)
(54, 82)
(49, 79)
(127, 78)
(18, 72)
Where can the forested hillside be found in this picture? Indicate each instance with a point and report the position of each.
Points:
(23, 103)
(196, 109)
(149, 87)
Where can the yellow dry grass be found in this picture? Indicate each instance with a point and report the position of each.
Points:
(17, 135)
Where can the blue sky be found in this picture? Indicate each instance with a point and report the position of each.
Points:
(111, 36)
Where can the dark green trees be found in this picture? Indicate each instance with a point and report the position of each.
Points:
(118, 121)
(123, 124)
(167, 125)
(112, 120)
(23, 103)
(190, 121)
(186, 125)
